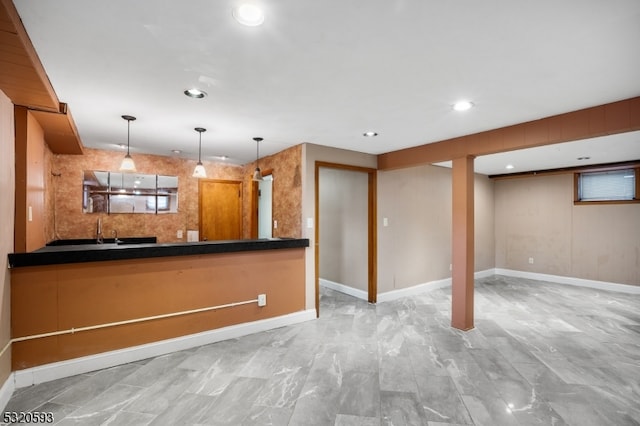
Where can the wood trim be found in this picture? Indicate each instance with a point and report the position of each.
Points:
(253, 217)
(564, 170)
(616, 117)
(462, 242)
(316, 246)
(60, 132)
(372, 230)
(22, 76)
(24, 80)
(605, 168)
(597, 203)
(373, 237)
(21, 143)
(345, 167)
(638, 182)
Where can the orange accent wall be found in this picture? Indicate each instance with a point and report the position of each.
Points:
(60, 297)
(32, 155)
(7, 211)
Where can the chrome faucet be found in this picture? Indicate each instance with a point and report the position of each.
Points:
(115, 236)
(99, 237)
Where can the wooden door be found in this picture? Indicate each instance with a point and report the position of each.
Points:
(220, 209)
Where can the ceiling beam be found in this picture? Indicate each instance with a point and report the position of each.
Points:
(616, 117)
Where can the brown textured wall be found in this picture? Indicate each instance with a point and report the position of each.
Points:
(68, 221)
(71, 222)
(287, 192)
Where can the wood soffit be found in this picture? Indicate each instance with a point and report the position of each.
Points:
(24, 80)
(616, 117)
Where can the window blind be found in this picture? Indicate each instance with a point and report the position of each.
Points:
(611, 185)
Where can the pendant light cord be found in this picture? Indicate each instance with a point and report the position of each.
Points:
(128, 134)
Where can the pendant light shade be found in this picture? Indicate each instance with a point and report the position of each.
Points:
(257, 174)
(199, 171)
(127, 164)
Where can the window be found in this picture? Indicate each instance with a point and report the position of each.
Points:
(607, 186)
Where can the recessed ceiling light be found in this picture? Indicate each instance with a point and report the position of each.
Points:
(249, 15)
(462, 105)
(195, 93)
(176, 151)
(509, 166)
(122, 145)
(370, 134)
(222, 157)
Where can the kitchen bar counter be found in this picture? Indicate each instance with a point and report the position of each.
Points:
(81, 253)
(76, 301)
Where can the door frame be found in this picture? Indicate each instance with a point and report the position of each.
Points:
(253, 217)
(372, 234)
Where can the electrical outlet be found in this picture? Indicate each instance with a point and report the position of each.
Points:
(451, 267)
(179, 234)
(531, 260)
(262, 300)
(275, 224)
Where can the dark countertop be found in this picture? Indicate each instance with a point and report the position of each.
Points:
(80, 253)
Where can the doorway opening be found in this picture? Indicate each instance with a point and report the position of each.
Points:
(265, 207)
(345, 203)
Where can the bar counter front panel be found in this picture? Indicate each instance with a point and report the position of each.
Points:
(46, 298)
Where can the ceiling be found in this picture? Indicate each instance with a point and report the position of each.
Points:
(325, 73)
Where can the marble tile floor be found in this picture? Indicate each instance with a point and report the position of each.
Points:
(541, 354)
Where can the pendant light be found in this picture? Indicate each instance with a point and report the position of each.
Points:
(127, 162)
(257, 174)
(199, 171)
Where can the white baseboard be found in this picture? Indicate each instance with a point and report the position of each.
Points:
(580, 282)
(6, 391)
(421, 288)
(58, 370)
(360, 294)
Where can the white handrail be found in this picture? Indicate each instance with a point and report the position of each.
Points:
(131, 321)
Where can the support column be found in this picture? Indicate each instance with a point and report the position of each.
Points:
(462, 244)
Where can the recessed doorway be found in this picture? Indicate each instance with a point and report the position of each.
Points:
(350, 242)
